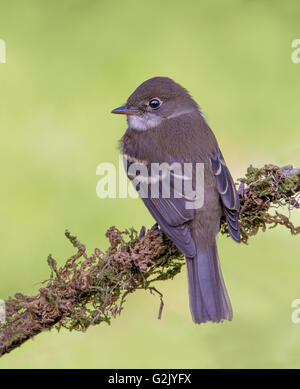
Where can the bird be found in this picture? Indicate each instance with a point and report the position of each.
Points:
(166, 126)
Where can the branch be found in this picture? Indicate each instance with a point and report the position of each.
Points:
(90, 289)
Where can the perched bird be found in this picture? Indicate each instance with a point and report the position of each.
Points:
(165, 125)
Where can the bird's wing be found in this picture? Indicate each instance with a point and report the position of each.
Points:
(170, 212)
(228, 193)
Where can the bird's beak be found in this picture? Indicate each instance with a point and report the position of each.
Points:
(124, 110)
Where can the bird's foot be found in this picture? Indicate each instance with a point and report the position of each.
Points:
(156, 228)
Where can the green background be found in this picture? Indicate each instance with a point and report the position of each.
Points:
(70, 62)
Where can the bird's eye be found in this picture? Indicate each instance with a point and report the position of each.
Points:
(154, 103)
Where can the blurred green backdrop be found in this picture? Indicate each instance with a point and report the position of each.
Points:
(70, 62)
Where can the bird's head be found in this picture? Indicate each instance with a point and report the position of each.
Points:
(154, 101)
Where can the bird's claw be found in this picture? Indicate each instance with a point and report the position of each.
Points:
(156, 228)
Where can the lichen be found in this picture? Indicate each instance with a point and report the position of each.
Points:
(261, 191)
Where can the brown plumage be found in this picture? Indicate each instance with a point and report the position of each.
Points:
(166, 125)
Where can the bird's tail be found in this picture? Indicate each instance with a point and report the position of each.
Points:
(209, 300)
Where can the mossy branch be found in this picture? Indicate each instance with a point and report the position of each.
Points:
(90, 289)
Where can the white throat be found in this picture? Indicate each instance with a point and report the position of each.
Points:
(150, 120)
(144, 122)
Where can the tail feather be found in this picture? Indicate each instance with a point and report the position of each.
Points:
(209, 300)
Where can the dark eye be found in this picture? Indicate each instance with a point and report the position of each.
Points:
(154, 103)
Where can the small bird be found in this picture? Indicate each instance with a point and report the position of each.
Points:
(165, 125)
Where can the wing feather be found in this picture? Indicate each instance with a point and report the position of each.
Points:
(170, 212)
(228, 194)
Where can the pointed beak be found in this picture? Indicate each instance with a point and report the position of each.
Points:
(124, 110)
